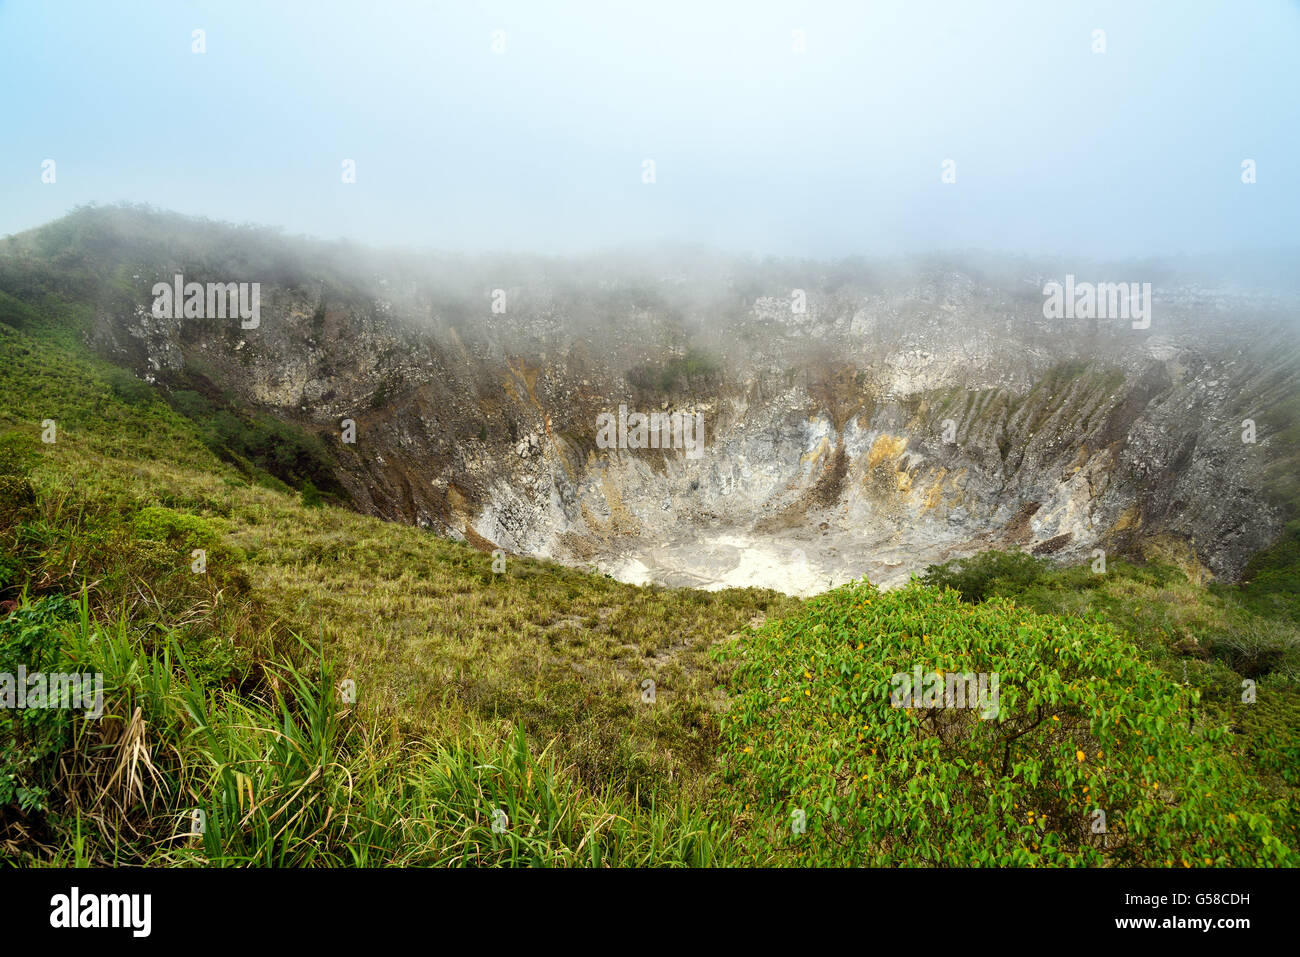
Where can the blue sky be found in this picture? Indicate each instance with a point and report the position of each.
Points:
(835, 151)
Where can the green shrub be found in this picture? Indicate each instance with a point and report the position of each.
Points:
(1083, 724)
(128, 388)
(987, 573)
(163, 552)
(159, 524)
(31, 738)
(694, 371)
(311, 495)
(190, 404)
(15, 312)
(257, 443)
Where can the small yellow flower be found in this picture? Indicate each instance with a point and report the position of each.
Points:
(1080, 755)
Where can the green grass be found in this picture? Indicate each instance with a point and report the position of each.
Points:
(287, 776)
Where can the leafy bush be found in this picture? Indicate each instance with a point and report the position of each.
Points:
(15, 312)
(1038, 581)
(310, 495)
(128, 388)
(259, 444)
(163, 553)
(31, 739)
(1083, 724)
(692, 372)
(987, 573)
(168, 525)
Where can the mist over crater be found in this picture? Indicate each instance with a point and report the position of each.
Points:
(683, 417)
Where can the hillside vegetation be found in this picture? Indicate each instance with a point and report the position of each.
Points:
(332, 689)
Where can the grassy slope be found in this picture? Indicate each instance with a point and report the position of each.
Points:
(475, 690)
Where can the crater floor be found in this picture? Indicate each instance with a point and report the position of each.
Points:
(795, 564)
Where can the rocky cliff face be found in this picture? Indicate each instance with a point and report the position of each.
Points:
(858, 419)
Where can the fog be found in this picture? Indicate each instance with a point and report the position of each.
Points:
(536, 139)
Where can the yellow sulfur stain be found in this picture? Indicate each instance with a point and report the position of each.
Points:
(885, 447)
(621, 521)
(933, 495)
